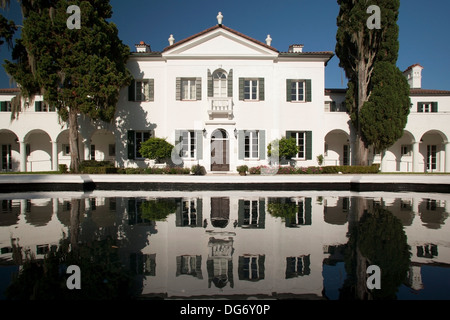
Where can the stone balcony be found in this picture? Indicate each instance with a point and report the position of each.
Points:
(220, 108)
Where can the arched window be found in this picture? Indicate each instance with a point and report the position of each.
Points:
(220, 84)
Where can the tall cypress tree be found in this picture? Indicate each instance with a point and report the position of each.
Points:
(79, 71)
(378, 95)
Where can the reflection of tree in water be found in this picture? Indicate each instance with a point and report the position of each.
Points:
(377, 239)
(103, 275)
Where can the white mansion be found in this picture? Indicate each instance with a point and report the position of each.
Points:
(221, 97)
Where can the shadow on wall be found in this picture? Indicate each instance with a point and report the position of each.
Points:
(130, 115)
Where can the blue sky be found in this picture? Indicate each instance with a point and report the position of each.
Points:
(424, 27)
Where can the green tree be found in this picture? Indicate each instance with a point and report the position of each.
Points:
(156, 148)
(361, 51)
(284, 148)
(79, 71)
(377, 239)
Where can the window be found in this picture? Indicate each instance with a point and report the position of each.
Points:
(188, 89)
(220, 84)
(66, 149)
(188, 145)
(6, 157)
(250, 212)
(304, 143)
(251, 89)
(406, 150)
(141, 136)
(189, 213)
(141, 90)
(346, 155)
(5, 106)
(135, 138)
(427, 107)
(92, 152)
(251, 267)
(298, 91)
(112, 150)
(189, 265)
(298, 266)
(431, 157)
(251, 145)
(41, 106)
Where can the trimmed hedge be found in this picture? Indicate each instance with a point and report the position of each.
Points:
(375, 168)
(97, 167)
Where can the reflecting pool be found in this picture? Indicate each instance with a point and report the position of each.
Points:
(237, 245)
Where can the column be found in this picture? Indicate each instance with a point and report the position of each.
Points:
(447, 156)
(416, 155)
(55, 156)
(23, 156)
(87, 150)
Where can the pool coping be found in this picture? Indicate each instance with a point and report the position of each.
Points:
(330, 182)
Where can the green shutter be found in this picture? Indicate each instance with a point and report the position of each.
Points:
(132, 211)
(38, 106)
(288, 90)
(132, 91)
(199, 146)
(178, 89)
(308, 148)
(52, 108)
(179, 142)
(434, 107)
(308, 89)
(241, 88)
(261, 89)
(262, 145)
(178, 213)
(198, 88)
(210, 85)
(289, 134)
(262, 214)
(151, 89)
(420, 106)
(308, 211)
(3, 107)
(240, 212)
(230, 83)
(131, 144)
(199, 212)
(241, 138)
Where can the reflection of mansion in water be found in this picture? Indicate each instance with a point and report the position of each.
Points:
(221, 97)
(233, 245)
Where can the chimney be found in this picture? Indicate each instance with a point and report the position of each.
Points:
(268, 40)
(171, 40)
(142, 47)
(414, 76)
(296, 48)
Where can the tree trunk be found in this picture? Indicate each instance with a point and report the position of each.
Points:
(362, 151)
(75, 213)
(73, 141)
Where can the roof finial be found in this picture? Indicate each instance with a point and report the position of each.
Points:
(268, 40)
(219, 18)
(171, 39)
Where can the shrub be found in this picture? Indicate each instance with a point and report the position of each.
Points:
(97, 167)
(198, 170)
(63, 168)
(158, 210)
(286, 149)
(242, 169)
(156, 148)
(375, 168)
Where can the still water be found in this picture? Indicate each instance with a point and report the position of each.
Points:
(238, 245)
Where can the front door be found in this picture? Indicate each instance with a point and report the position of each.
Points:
(220, 151)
